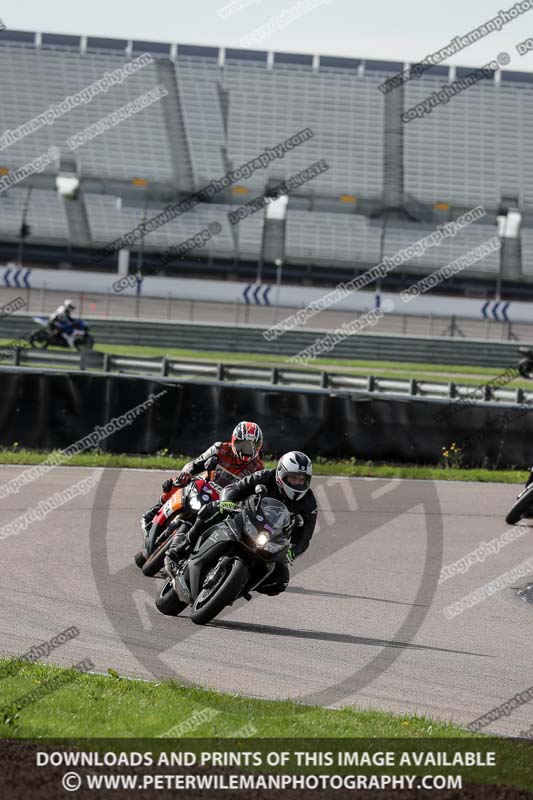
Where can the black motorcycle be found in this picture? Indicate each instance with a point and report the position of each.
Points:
(525, 365)
(230, 560)
(523, 506)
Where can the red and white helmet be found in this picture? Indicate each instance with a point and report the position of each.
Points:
(293, 474)
(246, 440)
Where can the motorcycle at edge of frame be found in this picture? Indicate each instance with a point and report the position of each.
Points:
(525, 365)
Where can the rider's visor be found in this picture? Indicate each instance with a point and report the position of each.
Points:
(298, 480)
(245, 448)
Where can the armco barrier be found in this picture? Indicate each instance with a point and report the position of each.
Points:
(244, 338)
(50, 410)
(259, 375)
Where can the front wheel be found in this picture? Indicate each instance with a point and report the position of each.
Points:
(155, 562)
(168, 602)
(87, 343)
(522, 504)
(210, 602)
(525, 368)
(40, 340)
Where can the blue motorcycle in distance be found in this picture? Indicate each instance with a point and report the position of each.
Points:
(75, 336)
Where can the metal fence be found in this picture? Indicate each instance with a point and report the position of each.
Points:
(264, 376)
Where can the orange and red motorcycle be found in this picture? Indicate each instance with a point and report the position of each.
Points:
(184, 504)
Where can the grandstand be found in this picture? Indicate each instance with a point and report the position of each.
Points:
(388, 183)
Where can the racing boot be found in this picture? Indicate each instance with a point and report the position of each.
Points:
(185, 540)
(183, 543)
(178, 550)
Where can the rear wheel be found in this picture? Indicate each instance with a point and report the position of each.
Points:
(168, 602)
(40, 340)
(522, 505)
(227, 587)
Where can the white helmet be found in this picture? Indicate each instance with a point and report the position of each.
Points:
(69, 304)
(293, 474)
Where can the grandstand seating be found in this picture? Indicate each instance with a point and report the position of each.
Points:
(33, 79)
(234, 103)
(108, 222)
(453, 247)
(451, 155)
(202, 113)
(474, 148)
(344, 111)
(46, 215)
(515, 148)
(328, 238)
(527, 251)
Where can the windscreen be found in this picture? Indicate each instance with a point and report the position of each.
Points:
(275, 513)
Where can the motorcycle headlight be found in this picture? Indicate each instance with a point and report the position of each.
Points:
(195, 503)
(261, 540)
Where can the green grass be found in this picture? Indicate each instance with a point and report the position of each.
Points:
(467, 375)
(107, 706)
(349, 468)
(109, 709)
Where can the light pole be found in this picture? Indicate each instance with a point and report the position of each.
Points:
(140, 259)
(279, 268)
(381, 254)
(24, 228)
(504, 212)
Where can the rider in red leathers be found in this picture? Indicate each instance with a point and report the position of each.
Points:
(230, 461)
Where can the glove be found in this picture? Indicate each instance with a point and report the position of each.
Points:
(298, 520)
(226, 506)
(290, 555)
(183, 478)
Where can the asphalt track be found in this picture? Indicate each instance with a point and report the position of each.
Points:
(362, 622)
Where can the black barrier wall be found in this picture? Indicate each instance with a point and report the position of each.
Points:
(54, 410)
